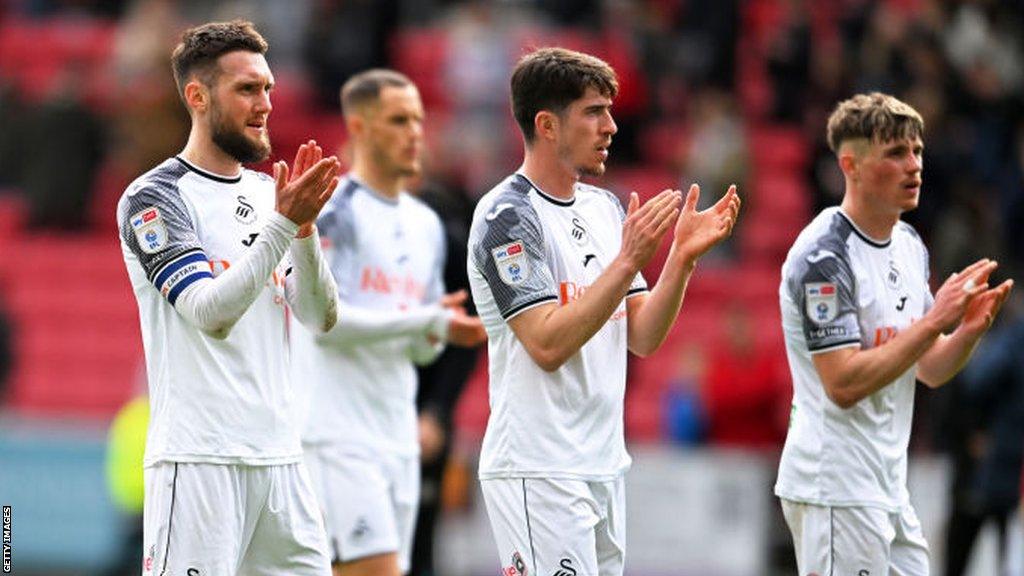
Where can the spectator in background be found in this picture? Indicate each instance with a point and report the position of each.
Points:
(685, 415)
(126, 448)
(13, 118)
(346, 37)
(986, 427)
(150, 123)
(745, 387)
(61, 129)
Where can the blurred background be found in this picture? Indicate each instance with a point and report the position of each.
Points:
(712, 91)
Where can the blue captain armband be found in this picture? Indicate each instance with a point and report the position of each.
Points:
(180, 273)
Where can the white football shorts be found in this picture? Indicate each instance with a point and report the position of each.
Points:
(369, 502)
(554, 527)
(859, 541)
(225, 519)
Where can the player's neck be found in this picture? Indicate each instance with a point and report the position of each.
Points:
(876, 224)
(547, 173)
(384, 184)
(200, 151)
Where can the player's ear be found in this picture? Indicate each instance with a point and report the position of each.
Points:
(197, 96)
(545, 124)
(849, 163)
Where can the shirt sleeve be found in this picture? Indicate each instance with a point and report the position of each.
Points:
(157, 227)
(309, 286)
(510, 256)
(825, 296)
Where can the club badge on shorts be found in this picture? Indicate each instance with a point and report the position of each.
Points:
(149, 229)
(513, 268)
(822, 303)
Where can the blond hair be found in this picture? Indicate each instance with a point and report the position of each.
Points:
(875, 117)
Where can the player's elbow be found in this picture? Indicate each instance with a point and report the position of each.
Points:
(549, 359)
(841, 396)
(218, 332)
(931, 380)
(643, 349)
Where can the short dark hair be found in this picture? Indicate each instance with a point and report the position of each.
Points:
(551, 79)
(366, 87)
(201, 46)
(875, 117)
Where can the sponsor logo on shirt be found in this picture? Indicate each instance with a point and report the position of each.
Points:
(147, 562)
(510, 259)
(571, 291)
(893, 277)
(565, 568)
(149, 229)
(244, 212)
(884, 334)
(828, 332)
(517, 568)
(373, 279)
(822, 302)
(361, 529)
(578, 232)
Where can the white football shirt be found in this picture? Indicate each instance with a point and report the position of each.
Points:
(387, 256)
(841, 288)
(527, 248)
(215, 401)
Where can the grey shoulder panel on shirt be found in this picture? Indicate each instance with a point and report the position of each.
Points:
(153, 219)
(511, 215)
(336, 222)
(508, 230)
(825, 260)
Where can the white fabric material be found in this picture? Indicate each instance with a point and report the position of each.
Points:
(841, 288)
(526, 250)
(868, 540)
(225, 520)
(557, 527)
(369, 504)
(309, 286)
(387, 257)
(215, 305)
(195, 240)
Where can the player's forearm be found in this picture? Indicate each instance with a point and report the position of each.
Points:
(215, 305)
(652, 321)
(563, 330)
(362, 326)
(868, 371)
(309, 287)
(945, 358)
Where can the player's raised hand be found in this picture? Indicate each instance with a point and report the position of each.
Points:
(303, 191)
(646, 225)
(697, 232)
(306, 156)
(957, 293)
(983, 308)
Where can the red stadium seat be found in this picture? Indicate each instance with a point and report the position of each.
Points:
(78, 348)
